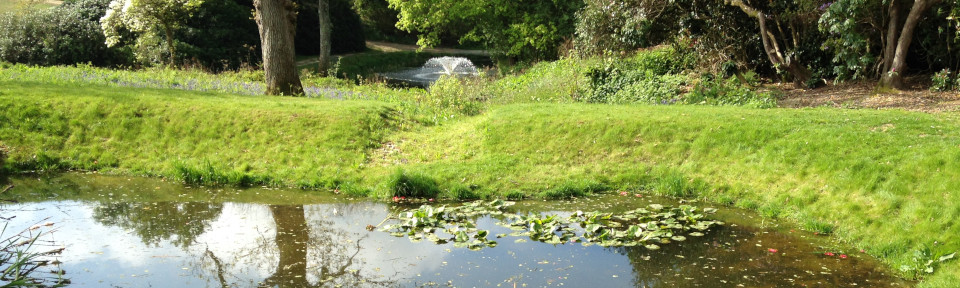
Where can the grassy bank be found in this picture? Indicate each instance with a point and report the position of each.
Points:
(883, 180)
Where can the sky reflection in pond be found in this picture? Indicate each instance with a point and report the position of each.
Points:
(145, 232)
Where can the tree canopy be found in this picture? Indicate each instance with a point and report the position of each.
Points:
(149, 17)
(522, 29)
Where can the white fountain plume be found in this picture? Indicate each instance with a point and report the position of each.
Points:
(452, 65)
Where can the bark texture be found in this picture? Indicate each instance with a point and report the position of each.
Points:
(326, 29)
(771, 46)
(277, 22)
(893, 75)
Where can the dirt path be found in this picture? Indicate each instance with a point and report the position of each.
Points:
(395, 47)
(917, 97)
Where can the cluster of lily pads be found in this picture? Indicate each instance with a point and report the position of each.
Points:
(649, 227)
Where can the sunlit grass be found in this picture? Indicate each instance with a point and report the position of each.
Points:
(882, 180)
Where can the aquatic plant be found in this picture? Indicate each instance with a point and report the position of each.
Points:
(19, 262)
(447, 224)
(649, 227)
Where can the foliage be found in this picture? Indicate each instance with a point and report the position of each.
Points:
(67, 34)
(716, 91)
(853, 37)
(221, 36)
(527, 30)
(450, 93)
(944, 81)
(347, 33)
(208, 175)
(616, 26)
(856, 33)
(925, 262)
(648, 77)
(20, 263)
(638, 227)
(380, 22)
(403, 184)
(154, 21)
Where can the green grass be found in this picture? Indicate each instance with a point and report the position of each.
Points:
(885, 181)
(188, 135)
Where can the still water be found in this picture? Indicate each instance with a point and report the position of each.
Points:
(133, 232)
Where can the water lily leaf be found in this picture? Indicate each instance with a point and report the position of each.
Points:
(656, 207)
(695, 234)
(678, 238)
(652, 246)
(520, 240)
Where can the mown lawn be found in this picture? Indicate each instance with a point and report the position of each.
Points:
(885, 181)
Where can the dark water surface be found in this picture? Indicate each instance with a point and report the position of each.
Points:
(133, 232)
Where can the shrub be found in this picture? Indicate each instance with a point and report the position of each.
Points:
(943, 81)
(402, 184)
(67, 34)
(614, 26)
(451, 97)
(716, 91)
(649, 77)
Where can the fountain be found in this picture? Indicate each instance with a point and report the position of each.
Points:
(432, 70)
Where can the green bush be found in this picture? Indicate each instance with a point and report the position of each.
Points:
(943, 81)
(647, 77)
(455, 96)
(402, 184)
(716, 91)
(67, 34)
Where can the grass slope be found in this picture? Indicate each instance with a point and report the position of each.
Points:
(883, 180)
(216, 137)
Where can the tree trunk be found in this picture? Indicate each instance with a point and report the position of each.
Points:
(893, 77)
(893, 32)
(771, 47)
(326, 28)
(277, 22)
(170, 48)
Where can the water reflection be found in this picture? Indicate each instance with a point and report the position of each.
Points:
(178, 223)
(137, 233)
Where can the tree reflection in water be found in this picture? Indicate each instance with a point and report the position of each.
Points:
(314, 254)
(180, 223)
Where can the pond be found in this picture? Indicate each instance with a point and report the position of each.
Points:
(134, 232)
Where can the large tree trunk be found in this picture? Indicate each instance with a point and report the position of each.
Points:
(893, 77)
(326, 28)
(771, 47)
(277, 21)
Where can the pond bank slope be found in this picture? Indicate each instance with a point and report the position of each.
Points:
(886, 181)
